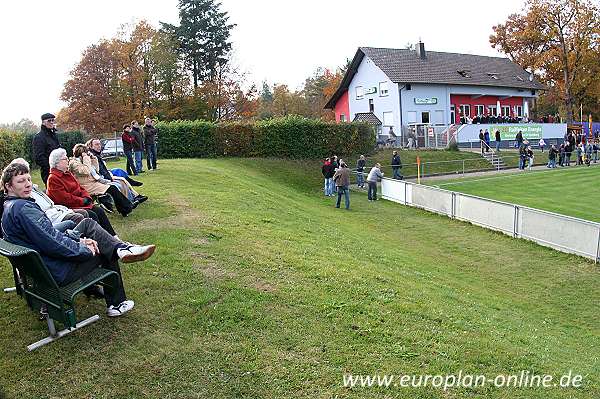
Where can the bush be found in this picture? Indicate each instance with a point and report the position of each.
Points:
(289, 137)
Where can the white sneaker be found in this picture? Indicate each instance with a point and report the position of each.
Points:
(135, 253)
(120, 309)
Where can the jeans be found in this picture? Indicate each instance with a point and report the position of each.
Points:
(343, 190)
(497, 146)
(138, 161)
(360, 179)
(595, 157)
(372, 194)
(552, 163)
(397, 174)
(151, 156)
(521, 162)
(130, 164)
(329, 187)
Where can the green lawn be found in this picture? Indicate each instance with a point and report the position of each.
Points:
(260, 288)
(570, 191)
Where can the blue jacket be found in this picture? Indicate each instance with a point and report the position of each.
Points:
(25, 224)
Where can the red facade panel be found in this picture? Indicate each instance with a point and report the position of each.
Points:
(342, 107)
(458, 99)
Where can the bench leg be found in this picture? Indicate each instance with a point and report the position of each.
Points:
(54, 335)
(10, 289)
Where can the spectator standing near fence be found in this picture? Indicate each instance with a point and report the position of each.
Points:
(342, 181)
(561, 155)
(138, 146)
(375, 175)
(360, 168)
(552, 156)
(486, 138)
(519, 139)
(530, 157)
(397, 165)
(498, 140)
(149, 139)
(127, 140)
(43, 143)
(522, 154)
(327, 171)
(595, 148)
(481, 138)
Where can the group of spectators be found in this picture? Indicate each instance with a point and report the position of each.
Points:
(134, 143)
(71, 233)
(586, 151)
(483, 119)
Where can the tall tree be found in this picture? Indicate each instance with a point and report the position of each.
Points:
(556, 39)
(203, 37)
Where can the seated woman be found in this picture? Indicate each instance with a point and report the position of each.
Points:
(64, 189)
(85, 166)
(71, 255)
(95, 147)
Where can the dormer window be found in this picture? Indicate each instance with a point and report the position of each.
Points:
(465, 73)
(493, 75)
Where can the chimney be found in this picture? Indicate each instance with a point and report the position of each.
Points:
(420, 47)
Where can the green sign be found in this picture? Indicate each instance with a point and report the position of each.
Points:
(530, 131)
(425, 101)
(371, 90)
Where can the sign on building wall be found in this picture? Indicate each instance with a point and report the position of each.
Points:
(370, 90)
(508, 132)
(425, 101)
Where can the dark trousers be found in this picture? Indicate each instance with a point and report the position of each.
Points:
(98, 215)
(372, 193)
(345, 191)
(114, 292)
(124, 206)
(130, 164)
(151, 156)
(45, 172)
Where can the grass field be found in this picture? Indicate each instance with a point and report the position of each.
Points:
(569, 191)
(260, 288)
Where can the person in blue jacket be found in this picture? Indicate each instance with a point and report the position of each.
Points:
(68, 255)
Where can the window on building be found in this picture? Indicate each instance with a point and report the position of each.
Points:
(408, 86)
(465, 110)
(479, 110)
(492, 110)
(505, 110)
(425, 117)
(342, 117)
(371, 105)
(388, 119)
(360, 92)
(412, 116)
(519, 110)
(383, 89)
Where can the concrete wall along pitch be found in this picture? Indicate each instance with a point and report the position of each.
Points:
(560, 232)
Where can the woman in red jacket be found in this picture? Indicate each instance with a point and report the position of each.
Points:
(64, 189)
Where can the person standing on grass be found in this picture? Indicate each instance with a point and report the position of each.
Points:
(519, 139)
(128, 140)
(595, 148)
(138, 146)
(342, 181)
(522, 154)
(498, 140)
(561, 155)
(375, 175)
(542, 143)
(149, 139)
(529, 157)
(327, 171)
(552, 157)
(360, 168)
(43, 144)
(397, 165)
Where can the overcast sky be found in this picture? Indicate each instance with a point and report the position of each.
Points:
(274, 40)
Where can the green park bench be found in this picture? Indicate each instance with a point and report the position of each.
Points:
(36, 285)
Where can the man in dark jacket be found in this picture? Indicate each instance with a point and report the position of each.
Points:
(149, 136)
(138, 146)
(498, 140)
(328, 170)
(360, 169)
(73, 254)
(43, 144)
(397, 165)
(128, 140)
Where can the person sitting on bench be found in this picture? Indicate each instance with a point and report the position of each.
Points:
(71, 255)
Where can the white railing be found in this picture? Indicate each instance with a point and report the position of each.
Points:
(560, 232)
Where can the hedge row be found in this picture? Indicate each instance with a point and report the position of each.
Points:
(20, 145)
(290, 137)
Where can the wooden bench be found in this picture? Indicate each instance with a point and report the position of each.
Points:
(36, 285)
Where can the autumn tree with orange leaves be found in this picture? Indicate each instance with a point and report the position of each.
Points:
(559, 40)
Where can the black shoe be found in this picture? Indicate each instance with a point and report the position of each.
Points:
(141, 198)
(134, 204)
(135, 183)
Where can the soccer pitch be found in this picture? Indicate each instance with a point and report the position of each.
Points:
(572, 191)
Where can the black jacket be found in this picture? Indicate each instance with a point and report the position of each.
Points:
(328, 171)
(360, 165)
(43, 144)
(498, 136)
(396, 162)
(149, 134)
(138, 144)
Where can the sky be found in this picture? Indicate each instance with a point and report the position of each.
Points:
(278, 41)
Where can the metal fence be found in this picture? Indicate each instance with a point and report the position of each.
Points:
(560, 232)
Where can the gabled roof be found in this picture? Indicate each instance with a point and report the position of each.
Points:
(405, 66)
(367, 117)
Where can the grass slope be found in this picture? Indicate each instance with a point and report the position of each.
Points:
(569, 191)
(260, 288)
